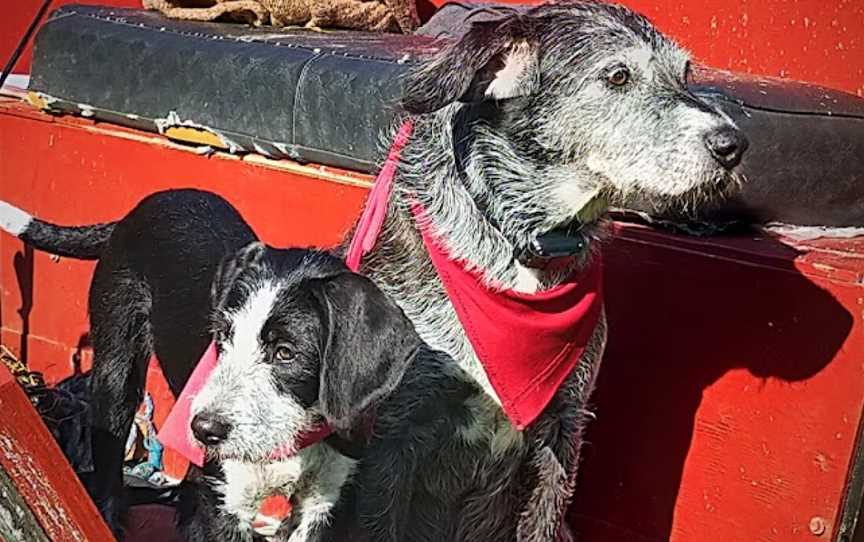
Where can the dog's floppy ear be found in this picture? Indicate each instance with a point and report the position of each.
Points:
(367, 346)
(231, 267)
(494, 60)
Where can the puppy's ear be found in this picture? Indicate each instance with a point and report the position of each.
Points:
(494, 60)
(368, 344)
(231, 267)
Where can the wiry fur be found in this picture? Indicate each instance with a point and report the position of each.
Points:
(494, 174)
(302, 341)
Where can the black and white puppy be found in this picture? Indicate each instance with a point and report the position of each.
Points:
(151, 294)
(300, 340)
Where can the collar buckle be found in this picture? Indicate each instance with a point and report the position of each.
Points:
(551, 246)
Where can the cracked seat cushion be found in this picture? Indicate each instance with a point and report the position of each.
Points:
(285, 93)
(326, 98)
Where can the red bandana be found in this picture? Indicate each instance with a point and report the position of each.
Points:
(527, 343)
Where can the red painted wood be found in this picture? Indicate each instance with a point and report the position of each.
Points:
(17, 16)
(41, 474)
(732, 388)
(731, 393)
(809, 40)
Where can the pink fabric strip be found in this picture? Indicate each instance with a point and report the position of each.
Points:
(372, 220)
(175, 432)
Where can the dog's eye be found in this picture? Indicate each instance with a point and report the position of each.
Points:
(283, 353)
(618, 77)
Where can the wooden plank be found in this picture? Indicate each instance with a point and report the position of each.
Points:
(42, 478)
(731, 392)
(17, 522)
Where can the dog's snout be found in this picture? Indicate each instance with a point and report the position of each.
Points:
(210, 429)
(727, 145)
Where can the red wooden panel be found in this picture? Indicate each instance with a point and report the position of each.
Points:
(17, 17)
(810, 40)
(731, 391)
(41, 474)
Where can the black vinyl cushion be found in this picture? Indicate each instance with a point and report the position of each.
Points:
(805, 164)
(285, 93)
(326, 97)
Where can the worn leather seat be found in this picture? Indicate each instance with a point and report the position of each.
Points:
(325, 97)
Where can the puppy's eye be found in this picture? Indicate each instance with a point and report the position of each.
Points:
(618, 77)
(283, 353)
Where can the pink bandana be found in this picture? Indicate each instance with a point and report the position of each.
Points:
(527, 343)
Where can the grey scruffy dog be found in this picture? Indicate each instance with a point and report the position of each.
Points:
(517, 126)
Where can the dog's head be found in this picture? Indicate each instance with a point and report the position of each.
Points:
(300, 340)
(551, 107)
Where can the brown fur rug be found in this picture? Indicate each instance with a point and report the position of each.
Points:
(370, 15)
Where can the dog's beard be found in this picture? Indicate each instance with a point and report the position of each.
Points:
(253, 451)
(691, 203)
(261, 443)
(716, 186)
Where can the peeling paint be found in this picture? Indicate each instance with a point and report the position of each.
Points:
(261, 150)
(60, 523)
(189, 131)
(807, 233)
(41, 100)
(86, 110)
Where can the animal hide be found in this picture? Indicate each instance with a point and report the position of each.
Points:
(370, 15)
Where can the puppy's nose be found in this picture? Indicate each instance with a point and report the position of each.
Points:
(727, 145)
(210, 429)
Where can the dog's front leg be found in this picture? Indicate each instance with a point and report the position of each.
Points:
(316, 494)
(201, 515)
(557, 442)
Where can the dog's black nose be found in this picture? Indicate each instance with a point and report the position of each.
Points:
(210, 429)
(727, 145)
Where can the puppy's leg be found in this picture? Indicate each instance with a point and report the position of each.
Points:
(200, 513)
(120, 328)
(317, 494)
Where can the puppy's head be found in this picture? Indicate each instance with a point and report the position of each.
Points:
(300, 340)
(571, 100)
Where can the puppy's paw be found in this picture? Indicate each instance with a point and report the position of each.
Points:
(266, 526)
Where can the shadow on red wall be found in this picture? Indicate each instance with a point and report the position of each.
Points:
(678, 322)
